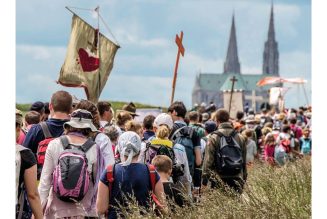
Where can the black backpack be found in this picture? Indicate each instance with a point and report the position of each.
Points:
(229, 159)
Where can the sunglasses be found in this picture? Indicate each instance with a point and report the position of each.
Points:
(81, 114)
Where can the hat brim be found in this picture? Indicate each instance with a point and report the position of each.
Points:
(81, 125)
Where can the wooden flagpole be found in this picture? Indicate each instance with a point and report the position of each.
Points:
(181, 50)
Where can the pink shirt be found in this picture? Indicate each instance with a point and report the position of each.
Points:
(269, 151)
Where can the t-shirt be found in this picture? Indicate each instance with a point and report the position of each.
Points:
(35, 134)
(27, 161)
(200, 130)
(251, 150)
(129, 180)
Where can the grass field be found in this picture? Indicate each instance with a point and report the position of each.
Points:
(270, 193)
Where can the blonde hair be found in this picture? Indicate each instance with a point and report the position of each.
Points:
(133, 126)
(162, 132)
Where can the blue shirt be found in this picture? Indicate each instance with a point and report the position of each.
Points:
(129, 180)
(35, 134)
(148, 134)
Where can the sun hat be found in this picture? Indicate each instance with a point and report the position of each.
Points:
(81, 119)
(163, 119)
(129, 144)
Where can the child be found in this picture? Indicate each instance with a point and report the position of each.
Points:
(305, 142)
(251, 148)
(269, 149)
(164, 167)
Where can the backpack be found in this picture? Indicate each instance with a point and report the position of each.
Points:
(184, 136)
(152, 174)
(42, 148)
(229, 157)
(71, 178)
(156, 149)
(20, 199)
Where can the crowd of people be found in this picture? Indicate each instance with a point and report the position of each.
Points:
(77, 159)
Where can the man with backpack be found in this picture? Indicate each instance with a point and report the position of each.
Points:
(187, 137)
(39, 136)
(225, 154)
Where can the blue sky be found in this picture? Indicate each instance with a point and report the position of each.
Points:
(146, 31)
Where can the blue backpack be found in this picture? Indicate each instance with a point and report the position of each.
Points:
(184, 136)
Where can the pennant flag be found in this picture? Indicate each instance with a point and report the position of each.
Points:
(89, 59)
(269, 80)
(275, 80)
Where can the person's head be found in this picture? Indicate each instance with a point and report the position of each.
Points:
(61, 102)
(193, 116)
(112, 132)
(210, 126)
(81, 121)
(266, 130)
(131, 109)
(163, 164)
(239, 115)
(32, 117)
(306, 132)
(269, 124)
(129, 146)
(38, 106)
(205, 117)
(91, 107)
(105, 111)
(162, 125)
(46, 111)
(221, 116)
(134, 126)
(293, 121)
(122, 118)
(248, 133)
(177, 110)
(286, 129)
(19, 122)
(148, 122)
(270, 139)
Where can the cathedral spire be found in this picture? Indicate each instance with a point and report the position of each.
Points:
(232, 65)
(270, 54)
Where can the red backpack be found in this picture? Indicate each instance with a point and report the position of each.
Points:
(152, 172)
(42, 148)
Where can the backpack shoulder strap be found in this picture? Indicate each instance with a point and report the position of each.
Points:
(152, 172)
(87, 145)
(45, 130)
(64, 141)
(110, 177)
(177, 133)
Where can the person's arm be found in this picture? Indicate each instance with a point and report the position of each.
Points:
(160, 193)
(106, 149)
(32, 193)
(47, 170)
(209, 157)
(102, 203)
(197, 149)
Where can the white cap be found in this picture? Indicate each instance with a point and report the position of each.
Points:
(203, 104)
(164, 119)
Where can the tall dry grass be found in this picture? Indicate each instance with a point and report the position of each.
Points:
(269, 193)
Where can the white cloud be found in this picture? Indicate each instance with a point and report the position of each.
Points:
(38, 52)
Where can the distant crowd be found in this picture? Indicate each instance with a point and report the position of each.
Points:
(78, 159)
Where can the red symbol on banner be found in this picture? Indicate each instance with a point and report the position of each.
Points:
(88, 63)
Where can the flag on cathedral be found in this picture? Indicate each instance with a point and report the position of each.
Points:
(89, 59)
